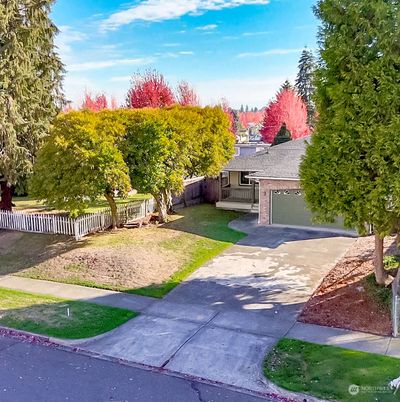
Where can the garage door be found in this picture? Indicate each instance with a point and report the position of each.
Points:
(289, 208)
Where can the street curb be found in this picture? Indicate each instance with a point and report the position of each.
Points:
(42, 340)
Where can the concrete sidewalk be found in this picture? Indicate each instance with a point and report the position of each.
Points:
(383, 345)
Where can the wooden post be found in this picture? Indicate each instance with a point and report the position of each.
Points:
(253, 191)
(220, 187)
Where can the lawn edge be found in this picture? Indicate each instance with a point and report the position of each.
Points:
(57, 343)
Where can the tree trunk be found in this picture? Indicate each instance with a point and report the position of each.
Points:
(168, 201)
(380, 272)
(114, 212)
(162, 208)
(6, 193)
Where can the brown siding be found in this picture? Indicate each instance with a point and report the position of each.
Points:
(265, 195)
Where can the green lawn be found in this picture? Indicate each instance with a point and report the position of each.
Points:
(48, 315)
(327, 372)
(31, 204)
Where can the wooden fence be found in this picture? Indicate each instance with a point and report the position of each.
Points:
(78, 227)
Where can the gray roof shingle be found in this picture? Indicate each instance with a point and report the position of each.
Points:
(280, 161)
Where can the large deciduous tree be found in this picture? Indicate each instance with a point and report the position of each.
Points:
(352, 166)
(149, 90)
(288, 108)
(80, 161)
(30, 87)
(305, 82)
(165, 146)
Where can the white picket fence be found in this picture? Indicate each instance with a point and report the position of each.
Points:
(78, 227)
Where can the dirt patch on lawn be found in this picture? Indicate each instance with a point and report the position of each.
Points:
(345, 298)
(126, 259)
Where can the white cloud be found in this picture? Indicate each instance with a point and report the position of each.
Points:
(270, 52)
(260, 33)
(171, 44)
(209, 27)
(159, 10)
(186, 53)
(65, 38)
(97, 65)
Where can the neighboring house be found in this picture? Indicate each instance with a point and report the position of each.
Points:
(268, 183)
(247, 149)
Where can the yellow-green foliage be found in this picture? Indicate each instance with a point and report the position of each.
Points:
(91, 154)
(79, 162)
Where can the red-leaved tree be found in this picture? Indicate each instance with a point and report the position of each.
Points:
(287, 108)
(186, 95)
(149, 90)
(94, 103)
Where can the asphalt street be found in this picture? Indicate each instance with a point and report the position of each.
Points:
(32, 372)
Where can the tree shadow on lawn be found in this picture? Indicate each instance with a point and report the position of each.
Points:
(236, 227)
(20, 251)
(206, 221)
(51, 316)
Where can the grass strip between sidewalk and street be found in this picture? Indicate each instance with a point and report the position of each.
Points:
(61, 318)
(327, 372)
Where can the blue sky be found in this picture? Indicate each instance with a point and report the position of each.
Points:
(241, 50)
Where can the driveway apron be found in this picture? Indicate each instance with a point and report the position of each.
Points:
(219, 323)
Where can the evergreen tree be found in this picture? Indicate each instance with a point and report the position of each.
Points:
(304, 82)
(241, 109)
(247, 108)
(351, 168)
(282, 136)
(30, 87)
(286, 85)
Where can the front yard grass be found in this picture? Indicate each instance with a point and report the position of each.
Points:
(47, 315)
(327, 371)
(31, 205)
(149, 261)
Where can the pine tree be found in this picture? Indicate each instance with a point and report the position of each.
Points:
(304, 82)
(247, 108)
(286, 85)
(241, 109)
(282, 136)
(30, 87)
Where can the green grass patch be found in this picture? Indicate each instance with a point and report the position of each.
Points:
(382, 295)
(327, 371)
(27, 203)
(47, 315)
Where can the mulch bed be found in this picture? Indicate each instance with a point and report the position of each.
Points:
(341, 300)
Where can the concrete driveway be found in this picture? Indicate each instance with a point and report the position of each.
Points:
(221, 321)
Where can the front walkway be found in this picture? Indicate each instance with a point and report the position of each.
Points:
(221, 321)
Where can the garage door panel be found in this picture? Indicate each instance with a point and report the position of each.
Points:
(288, 207)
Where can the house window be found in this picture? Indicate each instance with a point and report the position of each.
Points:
(244, 181)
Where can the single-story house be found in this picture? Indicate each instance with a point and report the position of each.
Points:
(268, 183)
